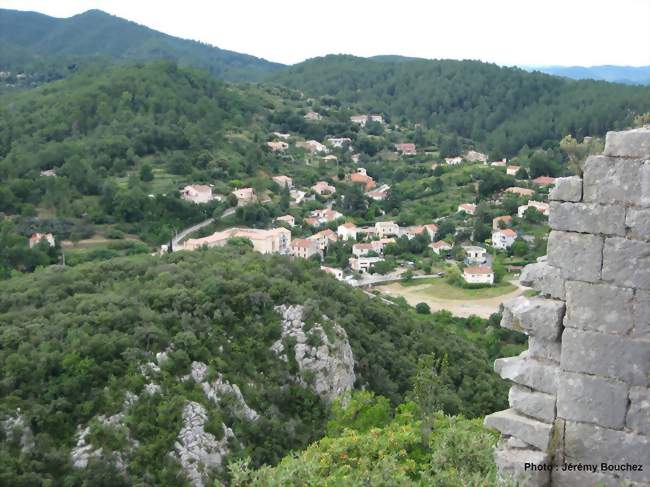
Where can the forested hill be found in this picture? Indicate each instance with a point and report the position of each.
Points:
(45, 45)
(506, 108)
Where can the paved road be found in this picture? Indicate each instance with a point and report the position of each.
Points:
(182, 235)
(372, 279)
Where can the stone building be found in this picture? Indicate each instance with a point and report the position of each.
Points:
(580, 393)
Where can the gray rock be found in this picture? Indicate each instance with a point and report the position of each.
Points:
(544, 278)
(16, 430)
(516, 443)
(509, 422)
(511, 465)
(598, 307)
(539, 317)
(577, 255)
(609, 180)
(544, 349)
(527, 372)
(638, 415)
(627, 262)
(591, 399)
(534, 404)
(566, 189)
(587, 218)
(561, 478)
(617, 357)
(641, 313)
(628, 143)
(638, 222)
(592, 444)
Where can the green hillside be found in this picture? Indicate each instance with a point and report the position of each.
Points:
(501, 108)
(47, 46)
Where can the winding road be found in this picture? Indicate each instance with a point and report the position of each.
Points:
(183, 234)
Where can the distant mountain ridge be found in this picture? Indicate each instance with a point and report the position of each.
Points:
(616, 74)
(34, 40)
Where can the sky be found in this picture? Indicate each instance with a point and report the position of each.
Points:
(506, 32)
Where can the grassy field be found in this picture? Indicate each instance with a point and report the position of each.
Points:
(438, 288)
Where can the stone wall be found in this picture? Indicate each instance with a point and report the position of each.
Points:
(580, 395)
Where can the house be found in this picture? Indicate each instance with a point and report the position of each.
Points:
(297, 196)
(478, 275)
(512, 170)
(36, 238)
(502, 163)
(364, 119)
(323, 238)
(283, 181)
(474, 156)
(273, 241)
(288, 219)
(453, 161)
(496, 221)
(197, 193)
(304, 248)
(280, 135)
(322, 188)
(277, 146)
(474, 254)
(503, 238)
(330, 158)
(360, 177)
(432, 230)
(440, 247)
(412, 231)
(379, 194)
(312, 146)
(544, 181)
(313, 116)
(49, 173)
(385, 229)
(520, 191)
(347, 231)
(540, 206)
(468, 208)
(245, 196)
(361, 249)
(322, 217)
(337, 273)
(363, 264)
(406, 149)
(339, 142)
(378, 245)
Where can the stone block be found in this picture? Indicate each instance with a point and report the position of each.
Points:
(544, 349)
(536, 316)
(572, 478)
(613, 356)
(645, 184)
(566, 189)
(544, 278)
(592, 444)
(641, 313)
(598, 307)
(592, 399)
(577, 255)
(626, 262)
(628, 143)
(528, 372)
(587, 218)
(638, 222)
(511, 465)
(531, 403)
(638, 415)
(610, 180)
(510, 423)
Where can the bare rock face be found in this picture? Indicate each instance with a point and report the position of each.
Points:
(331, 362)
(197, 450)
(16, 429)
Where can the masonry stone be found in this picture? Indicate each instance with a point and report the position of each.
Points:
(544, 278)
(592, 399)
(578, 255)
(544, 349)
(599, 307)
(627, 262)
(509, 422)
(641, 313)
(512, 463)
(528, 372)
(587, 218)
(638, 222)
(638, 415)
(536, 316)
(566, 189)
(534, 404)
(629, 143)
(617, 357)
(610, 180)
(565, 478)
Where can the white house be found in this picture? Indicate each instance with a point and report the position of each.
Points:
(440, 247)
(503, 238)
(273, 241)
(197, 193)
(432, 230)
(337, 273)
(363, 264)
(475, 156)
(312, 146)
(288, 219)
(321, 188)
(36, 238)
(512, 170)
(244, 196)
(339, 142)
(453, 161)
(385, 229)
(304, 248)
(478, 275)
(364, 119)
(475, 254)
(283, 181)
(297, 196)
(540, 206)
(323, 238)
(347, 231)
(468, 208)
(313, 116)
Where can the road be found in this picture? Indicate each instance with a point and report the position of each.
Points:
(183, 234)
(372, 279)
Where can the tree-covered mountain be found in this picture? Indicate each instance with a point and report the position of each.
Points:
(502, 108)
(47, 46)
(634, 75)
(96, 358)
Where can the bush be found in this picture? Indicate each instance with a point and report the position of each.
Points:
(422, 308)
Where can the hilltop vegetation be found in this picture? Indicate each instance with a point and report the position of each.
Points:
(503, 108)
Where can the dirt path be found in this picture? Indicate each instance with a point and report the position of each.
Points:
(458, 307)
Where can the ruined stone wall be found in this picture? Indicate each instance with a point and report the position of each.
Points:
(580, 395)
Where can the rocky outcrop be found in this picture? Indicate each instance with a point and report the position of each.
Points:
(16, 430)
(581, 393)
(328, 360)
(198, 451)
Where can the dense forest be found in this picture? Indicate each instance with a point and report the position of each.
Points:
(48, 48)
(73, 342)
(503, 108)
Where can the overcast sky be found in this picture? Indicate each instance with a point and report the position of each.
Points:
(507, 32)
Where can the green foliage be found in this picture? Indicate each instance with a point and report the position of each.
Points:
(361, 411)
